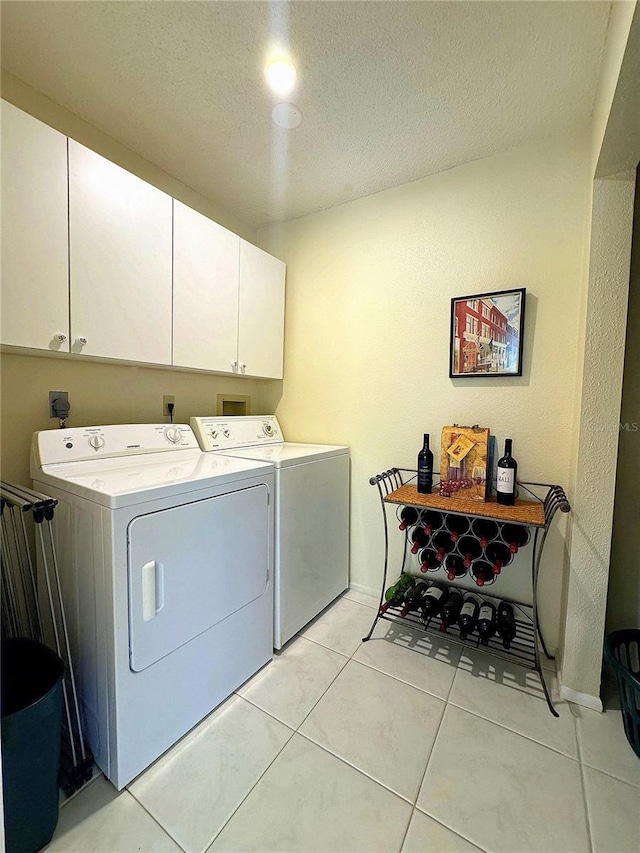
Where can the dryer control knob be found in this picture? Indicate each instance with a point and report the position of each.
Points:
(267, 429)
(96, 441)
(173, 435)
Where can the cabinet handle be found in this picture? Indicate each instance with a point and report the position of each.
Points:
(243, 367)
(60, 337)
(234, 366)
(81, 341)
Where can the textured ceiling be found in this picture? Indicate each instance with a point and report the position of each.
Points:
(390, 91)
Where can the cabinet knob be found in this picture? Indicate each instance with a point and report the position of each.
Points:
(81, 341)
(234, 366)
(243, 367)
(60, 337)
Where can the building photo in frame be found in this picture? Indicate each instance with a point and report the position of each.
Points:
(486, 334)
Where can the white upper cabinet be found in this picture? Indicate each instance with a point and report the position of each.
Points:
(261, 313)
(35, 281)
(206, 260)
(120, 262)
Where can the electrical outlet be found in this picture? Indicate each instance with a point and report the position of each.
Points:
(56, 395)
(167, 398)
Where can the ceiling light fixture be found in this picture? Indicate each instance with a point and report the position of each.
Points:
(281, 77)
(287, 116)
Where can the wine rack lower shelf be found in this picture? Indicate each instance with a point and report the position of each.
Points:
(522, 651)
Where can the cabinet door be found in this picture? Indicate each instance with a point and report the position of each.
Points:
(35, 260)
(206, 260)
(261, 313)
(120, 261)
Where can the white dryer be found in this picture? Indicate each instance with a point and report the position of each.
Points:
(311, 513)
(166, 561)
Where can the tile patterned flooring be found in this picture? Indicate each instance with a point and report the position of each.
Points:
(401, 744)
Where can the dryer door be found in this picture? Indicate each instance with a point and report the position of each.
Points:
(191, 566)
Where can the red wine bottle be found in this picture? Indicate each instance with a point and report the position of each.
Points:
(485, 530)
(451, 609)
(506, 477)
(468, 618)
(442, 543)
(425, 468)
(455, 567)
(506, 623)
(413, 597)
(498, 555)
(470, 548)
(408, 517)
(516, 536)
(457, 525)
(394, 596)
(428, 560)
(419, 539)
(432, 601)
(486, 622)
(482, 572)
(431, 520)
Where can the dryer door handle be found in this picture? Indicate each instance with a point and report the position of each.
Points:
(152, 590)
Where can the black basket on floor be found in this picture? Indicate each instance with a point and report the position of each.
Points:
(622, 650)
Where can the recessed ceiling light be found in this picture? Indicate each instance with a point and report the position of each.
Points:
(281, 77)
(287, 116)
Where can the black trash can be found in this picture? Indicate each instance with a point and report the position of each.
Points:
(622, 650)
(31, 725)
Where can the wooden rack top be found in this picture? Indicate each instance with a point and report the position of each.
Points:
(523, 512)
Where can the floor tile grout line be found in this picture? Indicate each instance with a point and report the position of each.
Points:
(608, 773)
(155, 820)
(513, 731)
(583, 784)
(315, 705)
(402, 680)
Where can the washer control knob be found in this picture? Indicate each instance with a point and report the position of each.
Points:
(173, 435)
(226, 432)
(96, 441)
(214, 433)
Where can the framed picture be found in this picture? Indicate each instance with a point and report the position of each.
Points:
(487, 330)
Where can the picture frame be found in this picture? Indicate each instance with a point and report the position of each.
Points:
(487, 333)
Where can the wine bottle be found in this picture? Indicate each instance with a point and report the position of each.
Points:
(408, 517)
(443, 544)
(451, 609)
(486, 622)
(457, 525)
(506, 623)
(394, 595)
(419, 539)
(425, 468)
(455, 567)
(506, 477)
(432, 600)
(470, 549)
(432, 520)
(428, 560)
(468, 618)
(516, 536)
(485, 530)
(482, 572)
(498, 555)
(413, 597)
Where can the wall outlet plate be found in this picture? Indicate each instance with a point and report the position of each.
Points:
(56, 395)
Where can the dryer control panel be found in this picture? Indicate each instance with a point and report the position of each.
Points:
(234, 433)
(75, 444)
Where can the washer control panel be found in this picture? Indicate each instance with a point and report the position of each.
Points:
(235, 433)
(78, 443)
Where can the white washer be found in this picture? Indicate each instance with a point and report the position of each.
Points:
(166, 558)
(311, 518)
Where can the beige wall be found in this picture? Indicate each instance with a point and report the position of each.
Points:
(367, 328)
(102, 393)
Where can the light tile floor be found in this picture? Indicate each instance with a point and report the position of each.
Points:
(400, 744)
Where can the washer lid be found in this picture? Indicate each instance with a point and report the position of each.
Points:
(288, 453)
(125, 481)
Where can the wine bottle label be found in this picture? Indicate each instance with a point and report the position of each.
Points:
(434, 592)
(468, 609)
(506, 480)
(486, 612)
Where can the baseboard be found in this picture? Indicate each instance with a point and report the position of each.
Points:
(584, 699)
(366, 590)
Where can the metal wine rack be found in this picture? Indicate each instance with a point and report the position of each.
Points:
(395, 488)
